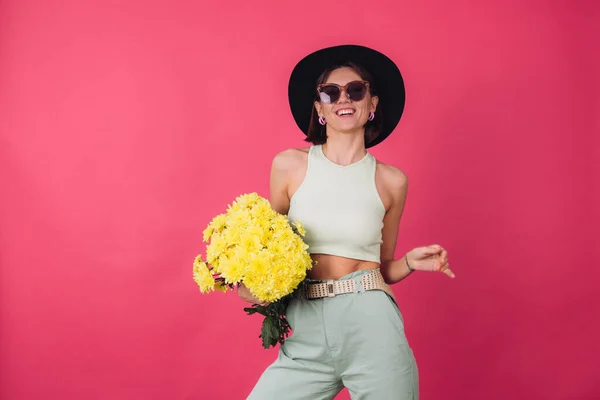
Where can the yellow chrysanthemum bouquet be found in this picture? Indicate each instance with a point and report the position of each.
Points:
(255, 245)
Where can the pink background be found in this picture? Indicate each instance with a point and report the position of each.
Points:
(125, 127)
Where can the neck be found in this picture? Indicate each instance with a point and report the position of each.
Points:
(344, 148)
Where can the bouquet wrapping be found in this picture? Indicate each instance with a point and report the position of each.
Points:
(255, 245)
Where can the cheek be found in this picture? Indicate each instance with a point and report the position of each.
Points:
(365, 110)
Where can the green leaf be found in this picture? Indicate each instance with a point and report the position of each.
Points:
(266, 333)
(275, 328)
(250, 310)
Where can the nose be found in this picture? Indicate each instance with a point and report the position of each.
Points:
(344, 98)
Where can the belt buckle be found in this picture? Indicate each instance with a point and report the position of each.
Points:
(330, 288)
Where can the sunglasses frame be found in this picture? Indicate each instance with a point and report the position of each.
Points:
(343, 89)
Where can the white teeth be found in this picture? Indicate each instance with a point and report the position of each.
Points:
(345, 112)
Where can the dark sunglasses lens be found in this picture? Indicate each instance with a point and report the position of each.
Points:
(329, 94)
(356, 91)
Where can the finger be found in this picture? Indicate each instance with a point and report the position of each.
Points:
(449, 272)
(444, 256)
(441, 265)
(444, 262)
(434, 264)
(442, 259)
(432, 249)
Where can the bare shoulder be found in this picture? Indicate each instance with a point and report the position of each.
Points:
(287, 171)
(290, 159)
(392, 177)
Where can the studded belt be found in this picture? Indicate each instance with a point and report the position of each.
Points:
(333, 287)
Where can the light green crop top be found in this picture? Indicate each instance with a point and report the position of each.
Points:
(339, 207)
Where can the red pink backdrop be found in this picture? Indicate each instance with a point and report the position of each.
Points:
(125, 126)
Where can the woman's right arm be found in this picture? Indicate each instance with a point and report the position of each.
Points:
(280, 202)
(281, 167)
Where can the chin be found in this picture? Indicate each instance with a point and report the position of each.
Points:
(349, 128)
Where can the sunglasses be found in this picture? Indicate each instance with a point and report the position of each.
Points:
(330, 92)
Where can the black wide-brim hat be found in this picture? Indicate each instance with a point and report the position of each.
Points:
(388, 84)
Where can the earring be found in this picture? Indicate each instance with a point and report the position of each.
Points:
(322, 120)
(371, 116)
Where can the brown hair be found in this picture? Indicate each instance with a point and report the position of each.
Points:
(317, 132)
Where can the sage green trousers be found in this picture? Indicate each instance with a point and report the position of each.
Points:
(353, 340)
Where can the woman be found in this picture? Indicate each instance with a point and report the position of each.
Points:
(347, 328)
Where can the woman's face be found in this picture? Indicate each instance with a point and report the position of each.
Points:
(346, 115)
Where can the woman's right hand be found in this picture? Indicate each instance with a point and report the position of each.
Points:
(245, 295)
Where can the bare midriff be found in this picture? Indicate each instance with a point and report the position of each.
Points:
(335, 267)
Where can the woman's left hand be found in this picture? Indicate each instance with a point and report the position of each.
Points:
(430, 258)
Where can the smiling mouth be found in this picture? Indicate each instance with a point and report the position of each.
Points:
(345, 112)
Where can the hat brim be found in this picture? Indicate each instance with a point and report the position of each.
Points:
(388, 82)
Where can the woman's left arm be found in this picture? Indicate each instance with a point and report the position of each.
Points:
(394, 186)
(427, 258)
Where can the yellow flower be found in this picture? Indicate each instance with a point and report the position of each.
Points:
(233, 208)
(262, 210)
(217, 246)
(221, 286)
(202, 276)
(207, 233)
(216, 225)
(253, 244)
(251, 239)
(219, 222)
(285, 238)
(247, 200)
(280, 223)
(232, 236)
(239, 219)
(299, 228)
(274, 275)
(235, 265)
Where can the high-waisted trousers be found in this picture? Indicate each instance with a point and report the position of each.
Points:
(353, 340)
